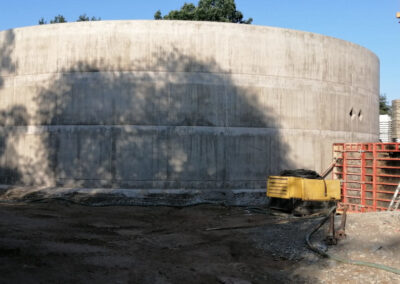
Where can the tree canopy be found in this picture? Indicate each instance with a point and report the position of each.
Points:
(85, 18)
(384, 107)
(207, 10)
(57, 19)
(61, 19)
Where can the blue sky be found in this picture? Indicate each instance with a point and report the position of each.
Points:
(370, 23)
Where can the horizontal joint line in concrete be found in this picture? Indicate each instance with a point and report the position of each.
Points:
(165, 180)
(194, 72)
(151, 190)
(34, 129)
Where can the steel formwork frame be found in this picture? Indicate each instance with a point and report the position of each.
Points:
(369, 174)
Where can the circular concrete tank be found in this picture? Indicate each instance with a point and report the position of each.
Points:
(176, 104)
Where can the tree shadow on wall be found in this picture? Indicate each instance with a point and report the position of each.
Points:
(10, 170)
(10, 115)
(185, 124)
(7, 66)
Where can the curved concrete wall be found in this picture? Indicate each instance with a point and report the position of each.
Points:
(170, 104)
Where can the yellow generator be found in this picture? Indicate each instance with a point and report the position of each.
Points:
(302, 188)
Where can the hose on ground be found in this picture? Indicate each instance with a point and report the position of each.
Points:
(341, 259)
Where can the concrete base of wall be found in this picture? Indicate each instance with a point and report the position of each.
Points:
(148, 197)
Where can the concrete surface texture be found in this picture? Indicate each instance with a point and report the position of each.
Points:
(177, 105)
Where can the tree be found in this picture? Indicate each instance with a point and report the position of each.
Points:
(58, 19)
(157, 15)
(207, 10)
(62, 19)
(85, 18)
(384, 107)
(42, 21)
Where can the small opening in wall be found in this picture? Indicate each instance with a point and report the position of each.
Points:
(360, 115)
(352, 114)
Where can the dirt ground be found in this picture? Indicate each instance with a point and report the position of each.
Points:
(61, 242)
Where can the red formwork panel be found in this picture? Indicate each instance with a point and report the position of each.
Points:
(369, 174)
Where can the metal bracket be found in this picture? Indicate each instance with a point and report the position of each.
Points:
(335, 235)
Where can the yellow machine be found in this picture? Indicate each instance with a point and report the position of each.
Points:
(303, 188)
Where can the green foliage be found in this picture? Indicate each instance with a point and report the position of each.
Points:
(207, 10)
(157, 15)
(42, 21)
(384, 106)
(188, 12)
(85, 18)
(58, 19)
(61, 19)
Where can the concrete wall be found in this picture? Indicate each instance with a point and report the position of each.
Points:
(170, 104)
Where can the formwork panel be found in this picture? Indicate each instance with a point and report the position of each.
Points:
(369, 174)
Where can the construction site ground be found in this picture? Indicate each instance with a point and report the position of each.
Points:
(56, 241)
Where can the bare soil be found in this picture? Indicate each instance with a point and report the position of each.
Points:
(61, 242)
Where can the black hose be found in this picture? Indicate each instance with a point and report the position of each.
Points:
(341, 259)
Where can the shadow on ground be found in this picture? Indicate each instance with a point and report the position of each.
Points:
(71, 243)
